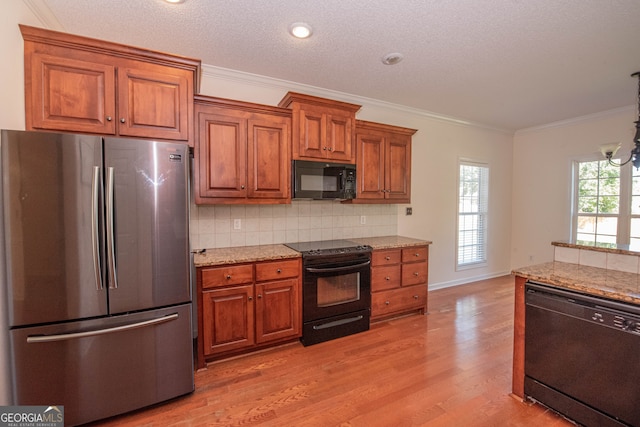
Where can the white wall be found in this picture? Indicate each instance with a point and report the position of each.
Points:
(542, 159)
(437, 147)
(11, 117)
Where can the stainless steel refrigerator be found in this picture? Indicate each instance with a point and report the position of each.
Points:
(95, 266)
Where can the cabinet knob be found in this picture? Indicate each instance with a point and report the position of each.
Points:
(242, 187)
(324, 148)
(387, 278)
(388, 258)
(228, 276)
(416, 274)
(386, 302)
(278, 271)
(259, 296)
(415, 297)
(109, 118)
(122, 120)
(330, 149)
(250, 298)
(416, 254)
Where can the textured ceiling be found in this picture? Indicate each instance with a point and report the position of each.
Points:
(508, 64)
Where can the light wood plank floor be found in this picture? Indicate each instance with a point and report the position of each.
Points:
(451, 367)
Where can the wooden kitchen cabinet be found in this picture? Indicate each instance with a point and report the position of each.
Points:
(242, 152)
(399, 281)
(383, 166)
(78, 84)
(323, 129)
(244, 307)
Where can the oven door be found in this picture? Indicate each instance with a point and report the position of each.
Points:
(333, 287)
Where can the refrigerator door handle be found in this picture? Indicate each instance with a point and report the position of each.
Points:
(95, 232)
(111, 247)
(76, 335)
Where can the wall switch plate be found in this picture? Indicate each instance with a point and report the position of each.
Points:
(363, 219)
(409, 211)
(237, 224)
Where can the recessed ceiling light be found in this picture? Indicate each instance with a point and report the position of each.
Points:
(392, 58)
(300, 30)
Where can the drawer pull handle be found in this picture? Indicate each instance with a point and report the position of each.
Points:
(386, 302)
(387, 278)
(278, 271)
(416, 274)
(416, 254)
(415, 297)
(388, 258)
(228, 276)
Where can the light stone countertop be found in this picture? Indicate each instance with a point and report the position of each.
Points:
(612, 284)
(239, 254)
(234, 255)
(390, 242)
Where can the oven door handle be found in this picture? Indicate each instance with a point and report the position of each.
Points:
(337, 269)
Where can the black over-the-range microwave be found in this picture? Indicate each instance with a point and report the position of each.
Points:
(323, 180)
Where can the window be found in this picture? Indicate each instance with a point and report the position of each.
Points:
(473, 197)
(606, 205)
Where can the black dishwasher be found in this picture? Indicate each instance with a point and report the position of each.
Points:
(582, 356)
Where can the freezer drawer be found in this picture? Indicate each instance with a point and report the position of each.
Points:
(104, 367)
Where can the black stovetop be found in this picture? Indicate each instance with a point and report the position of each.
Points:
(328, 247)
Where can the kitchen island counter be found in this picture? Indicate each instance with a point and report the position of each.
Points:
(600, 282)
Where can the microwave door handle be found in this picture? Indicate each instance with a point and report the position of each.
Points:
(336, 269)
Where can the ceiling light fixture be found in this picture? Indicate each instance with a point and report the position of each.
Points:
(300, 30)
(610, 150)
(175, 1)
(392, 58)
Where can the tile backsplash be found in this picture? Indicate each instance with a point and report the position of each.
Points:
(301, 221)
(609, 261)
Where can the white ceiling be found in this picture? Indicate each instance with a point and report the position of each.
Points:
(508, 64)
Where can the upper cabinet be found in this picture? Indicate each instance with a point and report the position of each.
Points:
(323, 129)
(242, 152)
(383, 167)
(77, 84)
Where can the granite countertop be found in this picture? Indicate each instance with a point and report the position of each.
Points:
(390, 242)
(220, 256)
(234, 255)
(612, 284)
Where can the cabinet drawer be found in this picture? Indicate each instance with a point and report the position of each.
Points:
(277, 270)
(399, 300)
(386, 277)
(385, 257)
(227, 275)
(414, 273)
(418, 253)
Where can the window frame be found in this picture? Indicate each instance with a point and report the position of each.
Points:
(483, 215)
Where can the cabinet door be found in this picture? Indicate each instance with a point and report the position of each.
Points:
(70, 95)
(228, 319)
(370, 166)
(278, 312)
(154, 102)
(312, 130)
(338, 143)
(398, 168)
(221, 155)
(268, 164)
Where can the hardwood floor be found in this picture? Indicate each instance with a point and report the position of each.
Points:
(451, 367)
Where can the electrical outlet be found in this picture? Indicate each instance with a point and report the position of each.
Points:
(409, 211)
(237, 224)
(363, 219)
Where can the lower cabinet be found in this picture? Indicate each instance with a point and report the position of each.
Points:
(399, 281)
(243, 307)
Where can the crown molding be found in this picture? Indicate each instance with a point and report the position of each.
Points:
(43, 13)
(579, 119)
(286, 86)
